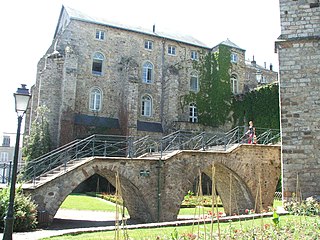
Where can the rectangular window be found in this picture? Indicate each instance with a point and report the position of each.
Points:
(194, 55)
(148, 45)
(194, 84)
(171, 50)
(100, 35)
(234, 58)
(6, 141)
(4, 157)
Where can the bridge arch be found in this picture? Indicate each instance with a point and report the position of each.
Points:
(235, 195)
(235, 202)
(51, 195)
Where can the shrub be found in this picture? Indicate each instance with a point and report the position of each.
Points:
(25, 212)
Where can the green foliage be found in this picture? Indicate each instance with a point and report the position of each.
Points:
(308, 207)
(213, 100)
(25, 211)
(260, 106)
(39, 142)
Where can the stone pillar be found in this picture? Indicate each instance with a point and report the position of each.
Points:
(300, 97)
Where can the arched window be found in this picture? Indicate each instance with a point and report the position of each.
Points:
(147, 72)
(193, 114)
(95, 99)
(97, 63)
(194, 82)
(146, 106)
(234, 83)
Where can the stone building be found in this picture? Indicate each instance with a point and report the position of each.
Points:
(101, 77)
(6, 158)
(299, 58)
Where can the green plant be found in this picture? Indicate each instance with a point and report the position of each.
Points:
(213, 100)
(252, 106)
(25, 210)
(308, 207)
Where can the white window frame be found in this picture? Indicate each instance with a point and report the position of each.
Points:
(234, 58)
(194, 82)
(95, 99)
(148, 44)
(147, 72)
(193, 113)
(4, 156)
(234, 82)
(194, 55)
(98, 58)
(171, 50)
(100, 35)
(146, 106)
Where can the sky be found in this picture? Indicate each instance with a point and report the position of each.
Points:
(27, 29)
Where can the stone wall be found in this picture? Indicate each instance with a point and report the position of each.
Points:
(65, 80)
(299, 57)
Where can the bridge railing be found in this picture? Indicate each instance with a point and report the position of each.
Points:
(126, 146)
(95, 145)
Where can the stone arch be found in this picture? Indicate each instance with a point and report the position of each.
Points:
(235, 195)
(51, 195)
(133, 199)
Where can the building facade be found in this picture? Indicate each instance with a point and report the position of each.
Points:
(299, 58)
(100, 77)
(6, 158)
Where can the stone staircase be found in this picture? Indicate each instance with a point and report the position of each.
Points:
(56, 172)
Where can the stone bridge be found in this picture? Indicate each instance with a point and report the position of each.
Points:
(153, 187)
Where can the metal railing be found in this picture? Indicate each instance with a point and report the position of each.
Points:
(127, 146)
(6, 171)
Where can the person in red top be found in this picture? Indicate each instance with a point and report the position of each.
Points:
(252, 133)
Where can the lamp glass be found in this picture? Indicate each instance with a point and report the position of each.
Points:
(22, 98)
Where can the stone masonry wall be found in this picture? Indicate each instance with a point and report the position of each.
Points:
(299, 57)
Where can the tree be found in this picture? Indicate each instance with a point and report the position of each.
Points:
(213, 100)
(39, 141)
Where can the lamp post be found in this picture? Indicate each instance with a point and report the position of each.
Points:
(22, 98)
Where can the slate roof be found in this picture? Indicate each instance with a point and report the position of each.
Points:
(77, 15)
(230, 44)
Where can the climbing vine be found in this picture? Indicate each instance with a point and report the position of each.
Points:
(260, 105)
(213, 100)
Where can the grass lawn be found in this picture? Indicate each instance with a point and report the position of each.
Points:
(289, 227)
(83, 202)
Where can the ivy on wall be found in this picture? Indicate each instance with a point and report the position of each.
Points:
(261, 106)
(213, 100)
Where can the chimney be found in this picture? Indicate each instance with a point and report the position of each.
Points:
(154, 28)
(271, 67)
(265, 65)
(253, 62)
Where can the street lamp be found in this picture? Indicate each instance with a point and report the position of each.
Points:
(22, 98)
